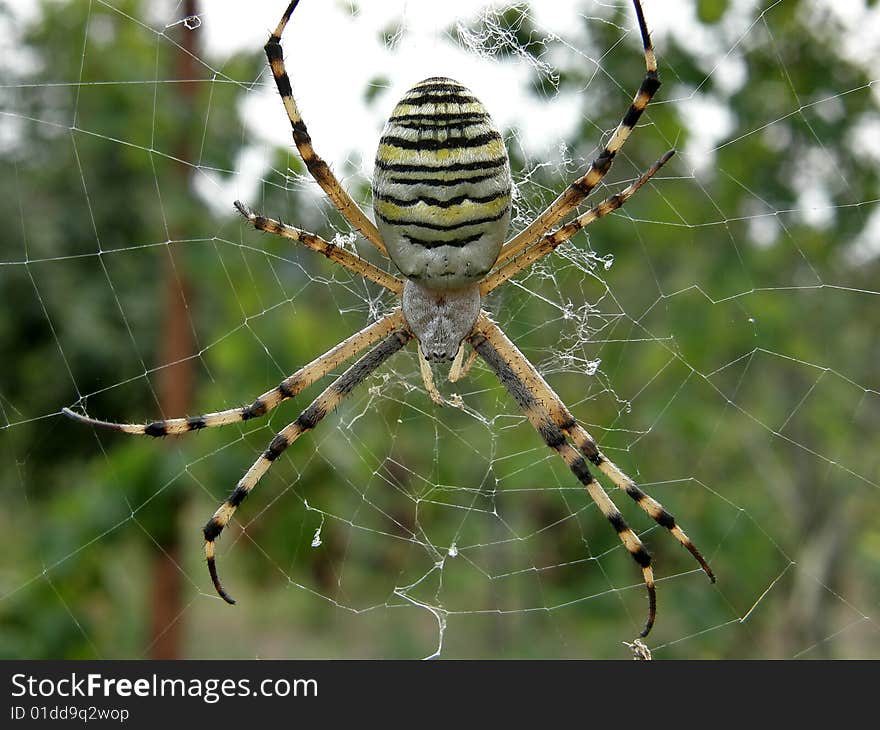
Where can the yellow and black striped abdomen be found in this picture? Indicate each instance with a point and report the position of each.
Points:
(441, 187)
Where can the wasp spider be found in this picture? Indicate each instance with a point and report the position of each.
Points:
(441, 194)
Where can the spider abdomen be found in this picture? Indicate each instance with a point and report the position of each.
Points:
(441, 187)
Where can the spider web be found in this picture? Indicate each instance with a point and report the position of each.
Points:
(719, 337)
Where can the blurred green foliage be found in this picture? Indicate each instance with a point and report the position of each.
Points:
(738, 375)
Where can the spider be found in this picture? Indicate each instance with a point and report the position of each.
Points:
(441, 196)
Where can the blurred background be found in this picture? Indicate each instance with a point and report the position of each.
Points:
(720, 336)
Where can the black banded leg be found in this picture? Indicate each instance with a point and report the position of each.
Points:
(322, 405)
(287, 388)
(587, 445)
(552, 240)
(316, 166)
(553, 436)
(581, 188)
(337, 255)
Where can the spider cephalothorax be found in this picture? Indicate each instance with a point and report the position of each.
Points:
(441, 193)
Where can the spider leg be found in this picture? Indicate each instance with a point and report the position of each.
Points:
(324, 404)
(316, 166)
(512, 376)
(582, 187)
(344, 258)
(287, 388)
(551, 241)
(587, 445)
